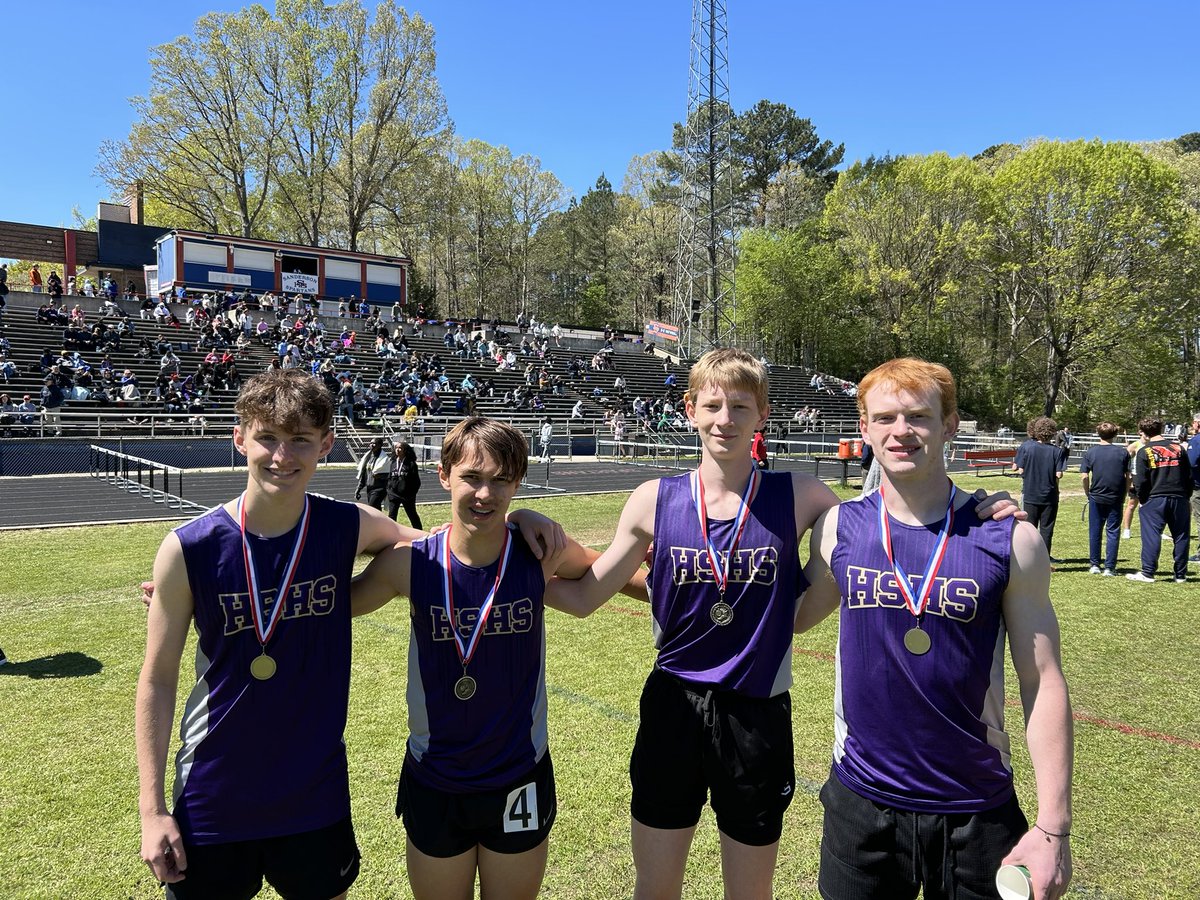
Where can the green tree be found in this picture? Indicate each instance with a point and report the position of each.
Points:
(1094, 244)
(796, 297)
(207, 137)
(912, 231)
(391, 109)
(769, 137)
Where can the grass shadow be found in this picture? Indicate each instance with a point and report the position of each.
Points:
(56, 665)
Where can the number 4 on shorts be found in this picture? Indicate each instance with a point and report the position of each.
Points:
(521, 806)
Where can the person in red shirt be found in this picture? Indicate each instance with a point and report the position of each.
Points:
(758, 450)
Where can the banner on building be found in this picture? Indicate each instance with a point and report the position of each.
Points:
(151, 273)
(661, 331)
(229, 278)
(299, 283)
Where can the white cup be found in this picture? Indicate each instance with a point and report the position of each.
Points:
(1013, 883)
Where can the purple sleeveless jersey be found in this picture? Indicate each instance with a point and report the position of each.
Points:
(266, 758)
(499, 734)
(752, 654)
(922, 733)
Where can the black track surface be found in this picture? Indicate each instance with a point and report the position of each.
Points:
(27, 502)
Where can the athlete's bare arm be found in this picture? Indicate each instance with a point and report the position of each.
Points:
(614, 568)
(167, 623)
(810, 498)
(823, 595)
(574, 560)
(376, 532)
(1034, 644)
(388, 575)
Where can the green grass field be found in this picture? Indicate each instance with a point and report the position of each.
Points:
(72, 625)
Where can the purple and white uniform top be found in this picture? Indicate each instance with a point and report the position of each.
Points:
(496, 736)
(751, 653)
(922, 732)
(264, 758)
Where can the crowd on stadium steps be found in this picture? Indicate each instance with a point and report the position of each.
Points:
(409, 383)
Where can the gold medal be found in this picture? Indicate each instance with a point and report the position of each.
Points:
(917, 642)
(721, 613)
(464, 688)
(263, 667)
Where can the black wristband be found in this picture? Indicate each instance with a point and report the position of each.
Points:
(1065, 834)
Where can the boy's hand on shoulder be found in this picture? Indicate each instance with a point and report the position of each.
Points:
(998, 506)
(542, 534)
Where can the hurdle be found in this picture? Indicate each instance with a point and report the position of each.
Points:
(143, 477)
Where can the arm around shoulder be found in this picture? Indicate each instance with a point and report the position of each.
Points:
(617, 567)
(823, 595)
(376, 532)
(388, 575)
(811, 497)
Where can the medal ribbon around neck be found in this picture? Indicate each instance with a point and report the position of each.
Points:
(261, 629)
(743, 514)
(466, 652)
(917, 604)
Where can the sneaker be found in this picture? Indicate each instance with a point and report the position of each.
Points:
(1094, 570)
(3, 658)
(1125, 533)
(1108, 572)
(1181, 581)
(1195, 557)
(1140, 578)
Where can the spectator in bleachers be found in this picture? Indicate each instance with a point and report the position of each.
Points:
(131, 291)
(346, 399)
(48, 315)
(617, 423)
(162, 312)
(27, 411)
(168, 364)
(52, 401)
(8, 415)
(54, 286)
(130, 392)
(35, 279)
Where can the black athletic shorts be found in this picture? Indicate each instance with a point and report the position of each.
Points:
(513, 819)
(875, 852)
(693, 742)
(313, 865)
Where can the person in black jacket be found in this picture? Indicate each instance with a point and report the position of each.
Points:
(1163, 483)
(403, 483)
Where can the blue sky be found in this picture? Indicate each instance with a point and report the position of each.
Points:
(586, 86)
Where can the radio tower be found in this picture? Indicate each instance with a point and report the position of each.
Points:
(705, 302)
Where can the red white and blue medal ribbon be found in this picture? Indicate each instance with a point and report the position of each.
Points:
(721, 573)
(467, 650)
(264, 623)
(917, 603)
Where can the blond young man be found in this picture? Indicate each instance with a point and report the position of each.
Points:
(476, 793)
(921, 796)
(261, 788)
